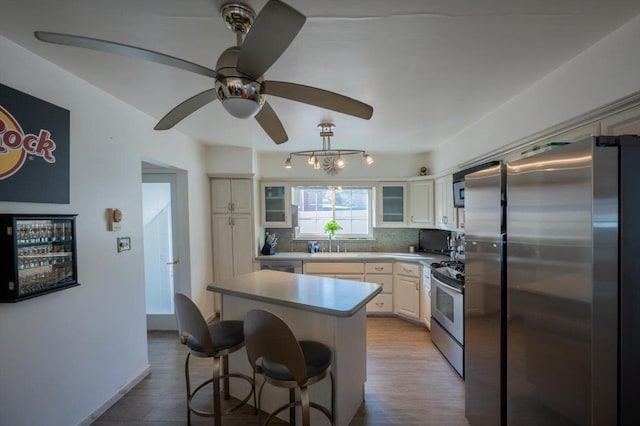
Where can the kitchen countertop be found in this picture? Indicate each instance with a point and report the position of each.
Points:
(425, 258)
(331, 296)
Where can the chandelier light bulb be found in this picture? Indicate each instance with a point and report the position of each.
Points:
(287, 163)
(340, 161)
(316, 164)
(368, 158)
(312, 159)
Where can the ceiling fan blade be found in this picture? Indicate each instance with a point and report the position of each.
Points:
(318, 97)
(269, 121)
(124, 50)
(187, 107)
(272, 32)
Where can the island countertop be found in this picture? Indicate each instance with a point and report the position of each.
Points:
(331, 296)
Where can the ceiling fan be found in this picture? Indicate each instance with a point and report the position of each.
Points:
(239, 73)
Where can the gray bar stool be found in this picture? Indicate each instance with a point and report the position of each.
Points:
(275, 353)
(215, 340)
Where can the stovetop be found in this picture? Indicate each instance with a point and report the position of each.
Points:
(451, 269)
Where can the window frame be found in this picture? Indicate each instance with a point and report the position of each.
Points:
(295, 188)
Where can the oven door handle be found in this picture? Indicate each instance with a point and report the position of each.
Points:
(457, 290)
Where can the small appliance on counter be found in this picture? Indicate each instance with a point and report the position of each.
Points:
(434, 241)
(314, 246)
(270, 243)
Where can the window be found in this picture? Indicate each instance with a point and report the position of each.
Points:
(349, 206)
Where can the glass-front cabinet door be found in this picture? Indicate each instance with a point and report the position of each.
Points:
(39, 255)
(276, 204)
(392, 204)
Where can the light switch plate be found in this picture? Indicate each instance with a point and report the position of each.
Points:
(124, 244)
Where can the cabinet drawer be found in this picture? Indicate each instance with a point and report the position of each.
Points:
(409, 269)
(385, 280)
(333, 268)
(381, 303)
(378, 268)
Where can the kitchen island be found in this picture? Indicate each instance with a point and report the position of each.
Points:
(327, 310)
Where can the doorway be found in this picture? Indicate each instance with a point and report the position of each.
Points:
(164, 254)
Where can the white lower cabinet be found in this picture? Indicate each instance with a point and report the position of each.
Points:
(425, 300)
(406, 289)
(380, 273)
(332, 269)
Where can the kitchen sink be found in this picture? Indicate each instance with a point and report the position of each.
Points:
(326, 254)
(365, 254)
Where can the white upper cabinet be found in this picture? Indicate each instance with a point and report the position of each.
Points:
(445, 212)
(421, 203)
(391, 204)
(231, 196)
(275, 211)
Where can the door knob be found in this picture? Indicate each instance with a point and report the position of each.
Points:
(175, 262)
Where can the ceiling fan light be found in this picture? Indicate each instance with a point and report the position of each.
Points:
(287, 163)
(241, 108)
(340, 162)
(312, 159)
(369, 159)
(316, 164)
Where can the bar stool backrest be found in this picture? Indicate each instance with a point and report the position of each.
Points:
(191, 324)
(268, 336)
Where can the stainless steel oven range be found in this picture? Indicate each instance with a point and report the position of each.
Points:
(447, 311)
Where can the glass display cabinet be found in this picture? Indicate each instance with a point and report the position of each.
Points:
(38, 255)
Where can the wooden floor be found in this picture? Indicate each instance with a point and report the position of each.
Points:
(408, 383)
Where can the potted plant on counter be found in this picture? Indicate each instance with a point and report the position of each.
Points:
(331, 228)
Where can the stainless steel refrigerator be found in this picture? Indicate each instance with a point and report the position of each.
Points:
(552, 248)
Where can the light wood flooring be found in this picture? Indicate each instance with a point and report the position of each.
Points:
(408, 383)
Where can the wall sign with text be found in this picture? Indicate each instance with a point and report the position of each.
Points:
(34, 149)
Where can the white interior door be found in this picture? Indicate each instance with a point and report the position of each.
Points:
(160, 250)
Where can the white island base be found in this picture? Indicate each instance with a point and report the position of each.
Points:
(327, 310)
(346, 336)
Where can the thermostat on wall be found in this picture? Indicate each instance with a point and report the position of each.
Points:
(115, 219)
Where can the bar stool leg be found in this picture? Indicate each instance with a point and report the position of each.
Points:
(333, 398)
(304, 400)
(225, 366)
(188, 382)
(217, 409)
(292, 410)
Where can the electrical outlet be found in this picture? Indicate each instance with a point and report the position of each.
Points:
(124, 244)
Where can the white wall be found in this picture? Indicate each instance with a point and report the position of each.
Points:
(605, 72)
(229, 160)
(64, 355)
(386, 166)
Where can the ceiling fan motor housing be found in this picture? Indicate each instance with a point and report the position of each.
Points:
(240, 95)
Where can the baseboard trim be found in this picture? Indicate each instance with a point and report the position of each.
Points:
(115, 398)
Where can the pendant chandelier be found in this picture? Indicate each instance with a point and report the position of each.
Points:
(332, 159)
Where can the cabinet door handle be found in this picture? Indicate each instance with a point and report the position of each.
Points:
(229, 221)
(417, 286)
(174, 262)
(379, 304)
(229, 206)
(233, 206)
(379, 268)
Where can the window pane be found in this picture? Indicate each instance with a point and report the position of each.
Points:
(318, 205)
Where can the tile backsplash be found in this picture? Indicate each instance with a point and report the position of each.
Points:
(384, 240)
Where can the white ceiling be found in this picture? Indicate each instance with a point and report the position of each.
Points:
(429, 68)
